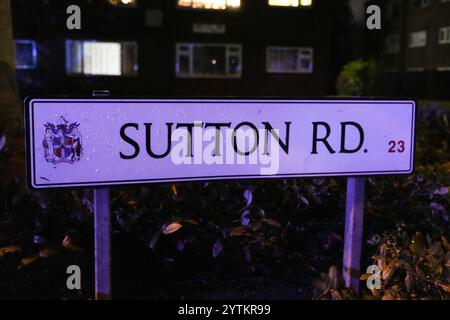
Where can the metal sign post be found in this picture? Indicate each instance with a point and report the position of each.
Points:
(102, 226)
(354, 217)
(102, 230)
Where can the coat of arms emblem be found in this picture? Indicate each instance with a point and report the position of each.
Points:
(62, 142)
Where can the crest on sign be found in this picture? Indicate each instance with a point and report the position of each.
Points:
(62, 142)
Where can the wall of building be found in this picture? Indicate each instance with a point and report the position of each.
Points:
(255, 26)
(415, 71)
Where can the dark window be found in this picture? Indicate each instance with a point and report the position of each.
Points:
(26, 54)
(396, 9)
(289, 60)
(208, 60)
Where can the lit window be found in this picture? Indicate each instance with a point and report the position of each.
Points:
(417, 39)
(290, 3)
(26, 54)
(101, 58)
(210, 4)
(392, 44)
(208, 60)
(289, 60)
(123, 3)
(444, 35)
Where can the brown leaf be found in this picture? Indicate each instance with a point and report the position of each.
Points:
(173, 190)
(376, 293)
(387, 273)
(132, 203)
(69, 245)
(273, 223)
(408, 281)
(390, 295)
(417, 244)
(238, 231)
(333, 276)
(319, 284)
(191, 221)
(365, 276)
(47, 252)
(257, 225)
(9, 249)
(445, 242)
(444, 286)
(336, 294)
(368, 297)
(383, 249)
(435, 248)
(28, 260)
(171, 228)
(382, 264)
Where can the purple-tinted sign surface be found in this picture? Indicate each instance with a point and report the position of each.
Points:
(105, 141)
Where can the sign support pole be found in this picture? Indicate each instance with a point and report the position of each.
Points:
(354, 218)
(102, 230)
(102, 226)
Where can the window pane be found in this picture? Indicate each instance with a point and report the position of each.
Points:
(210, 4)
(418, 39)
(289, 60)
(392, 44)
(234, 65)
(129, 59)
(290, 3)
(123, 3)
(209, 60)
(102, 58)
(283, 59)
(74, 57)
(444, 35)
(305, 64)
(26, 53)
(184, 64)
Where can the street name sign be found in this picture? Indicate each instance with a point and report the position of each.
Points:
(102, 141)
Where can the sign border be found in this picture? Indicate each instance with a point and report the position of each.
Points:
(30, 158)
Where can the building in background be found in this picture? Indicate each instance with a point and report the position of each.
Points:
(177, 47)
(413, 47)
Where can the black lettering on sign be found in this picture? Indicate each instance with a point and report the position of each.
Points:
(269, 129)
(361, 137)
(323, 139)
(130, 141)
(255, 132)
(148, 131)
(217, 126)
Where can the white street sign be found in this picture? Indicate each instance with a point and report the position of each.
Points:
(106, 141)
